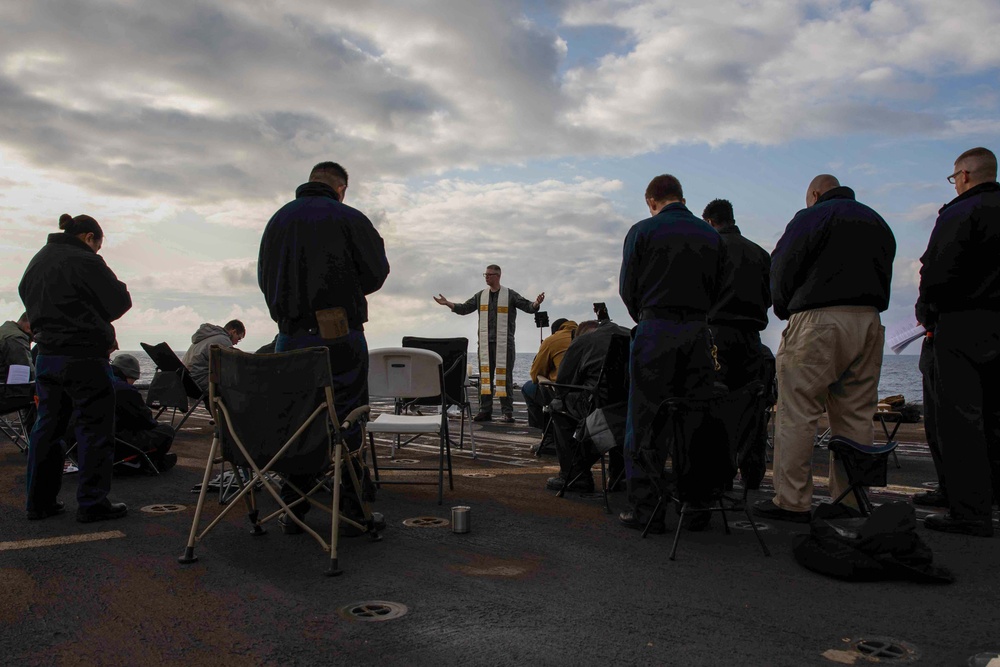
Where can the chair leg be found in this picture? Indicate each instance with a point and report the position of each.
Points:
(371, 446)
(472, 436)
(604, 484)
(895, 459)
(753, 524)
(645, 530)
(447, 446)
(677, 533)
(725, 521)
(338, 454)
(443, 437)
(188, 556)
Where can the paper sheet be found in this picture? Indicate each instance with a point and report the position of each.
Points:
(17, 374)
(902, 335)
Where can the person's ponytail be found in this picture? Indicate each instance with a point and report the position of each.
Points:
(81, 224)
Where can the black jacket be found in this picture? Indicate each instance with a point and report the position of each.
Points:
(672, 260)
(317, 253)
(961, 266)
(837, 252)
(583, 361)
(72, 297)
(131, 412)
(746, 301)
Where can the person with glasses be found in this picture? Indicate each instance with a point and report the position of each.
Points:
(960, 301)
(497, 307)
(830, 277)
(207, 335)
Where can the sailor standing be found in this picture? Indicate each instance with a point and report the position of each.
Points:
(495, 361)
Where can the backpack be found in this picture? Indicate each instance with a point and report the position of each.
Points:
(846, 545)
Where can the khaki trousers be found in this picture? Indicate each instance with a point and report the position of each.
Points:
(829, 358)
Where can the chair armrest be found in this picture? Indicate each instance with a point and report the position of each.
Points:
(354, 415)
(570, 387)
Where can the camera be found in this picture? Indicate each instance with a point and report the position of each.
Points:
(601, 310)
(541, 319)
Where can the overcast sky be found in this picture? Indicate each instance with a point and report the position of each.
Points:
(521, 134)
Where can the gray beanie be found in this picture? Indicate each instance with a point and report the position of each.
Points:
(128, 365)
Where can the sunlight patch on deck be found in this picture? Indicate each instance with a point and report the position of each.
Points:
(59, 541)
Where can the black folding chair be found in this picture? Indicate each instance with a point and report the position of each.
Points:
(704, 438)
(127, 455)
(17, 406)
(454, 353)
(172, 387)
(571, 405)
(865, 465)
(276, 414)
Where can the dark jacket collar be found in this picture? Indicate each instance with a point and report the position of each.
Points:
(314, 189)
(62, 238)
(729, 229)
(841, 192)
(972, 192)
(672, 206)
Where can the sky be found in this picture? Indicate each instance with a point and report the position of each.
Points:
(516, 133)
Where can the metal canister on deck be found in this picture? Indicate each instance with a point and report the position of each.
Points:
(460, 518)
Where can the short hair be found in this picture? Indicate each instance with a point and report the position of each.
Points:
(494, 267)
(720, 211)
(586, 327)
(984, 162)
(237, 326)
(557, 324)
(664, 187)
(329, 171)
(81, 224)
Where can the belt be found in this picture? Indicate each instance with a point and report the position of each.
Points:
(299, 327)
(674, 314)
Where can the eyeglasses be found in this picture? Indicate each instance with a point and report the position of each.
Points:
(487, 275)
(951, 179)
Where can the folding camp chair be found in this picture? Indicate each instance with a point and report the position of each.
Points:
(865, 465)
(704, 436)
(127, 454)
(403, 373)
(172, 387)
(17, 402)
(455, 355)
(275, 414)
(571, 406)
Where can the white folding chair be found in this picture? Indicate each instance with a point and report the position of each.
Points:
(403, 373)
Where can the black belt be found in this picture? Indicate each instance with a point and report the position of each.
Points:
(299, 327)
(674, 314)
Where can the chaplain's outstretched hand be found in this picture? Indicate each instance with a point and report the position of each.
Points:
(539, 299)
(443, 301)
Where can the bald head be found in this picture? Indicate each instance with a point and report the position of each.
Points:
(819, 186)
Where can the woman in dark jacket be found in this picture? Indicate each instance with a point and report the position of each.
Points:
(72, 297)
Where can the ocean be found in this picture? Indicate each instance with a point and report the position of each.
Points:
(900, 374)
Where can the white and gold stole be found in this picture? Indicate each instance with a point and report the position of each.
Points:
(500, 378)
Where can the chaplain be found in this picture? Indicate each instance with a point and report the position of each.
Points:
(494, 362)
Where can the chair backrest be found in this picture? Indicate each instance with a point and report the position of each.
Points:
(614, 380)
(704, 435)
(405, 372)
(455, 358)
(266, 398)
(167, 361)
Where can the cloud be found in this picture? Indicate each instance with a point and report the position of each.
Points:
(206, 102)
